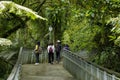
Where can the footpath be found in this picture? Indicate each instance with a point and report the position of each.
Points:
(45, 72)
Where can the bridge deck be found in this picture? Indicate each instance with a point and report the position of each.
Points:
(45, 72)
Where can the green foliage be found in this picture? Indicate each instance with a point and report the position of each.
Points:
(66, 38)
(20, 18)
(10, 7)
(82, 24)
(109, 58)
(115, 22)
(80, 36)
(6, 65)
(5, 68)
(56, 14)
(88, 29)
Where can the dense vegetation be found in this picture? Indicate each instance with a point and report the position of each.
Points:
(91, 25)
(7, 62)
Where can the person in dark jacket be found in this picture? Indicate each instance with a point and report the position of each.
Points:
(58, 50)
(66, 47)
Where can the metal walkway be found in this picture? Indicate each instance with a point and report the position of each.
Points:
(44, 72)
(78, 67)
(25, 69)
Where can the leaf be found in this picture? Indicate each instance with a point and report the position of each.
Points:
(117, 41)
(19, 10)
(112, 37)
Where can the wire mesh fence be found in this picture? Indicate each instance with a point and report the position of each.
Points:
(85, 70)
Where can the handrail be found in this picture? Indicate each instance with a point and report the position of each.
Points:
(25, 57)
(100, 67)
(15, 72)
(29, 56)
(86, 70)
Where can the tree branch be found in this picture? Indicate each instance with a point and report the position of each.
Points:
(34, 3)
(23, 2)
(38, 8)
(21, 25)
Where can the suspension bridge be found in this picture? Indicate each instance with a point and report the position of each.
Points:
(72, 67)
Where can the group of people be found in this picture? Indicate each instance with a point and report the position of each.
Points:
(51, 49)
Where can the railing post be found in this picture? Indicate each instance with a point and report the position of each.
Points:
(98, 73)
(80, 68)
(105, 76)
(91, 78)
(113, 77)
(86, 72)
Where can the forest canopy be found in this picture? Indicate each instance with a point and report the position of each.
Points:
(91, 25)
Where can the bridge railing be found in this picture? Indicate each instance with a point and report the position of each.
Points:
(26, 56)
(85, 70)
(16, 70)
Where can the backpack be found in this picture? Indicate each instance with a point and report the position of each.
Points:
(50, 50)
(38, 50)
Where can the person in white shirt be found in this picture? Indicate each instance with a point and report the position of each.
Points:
(51, 51)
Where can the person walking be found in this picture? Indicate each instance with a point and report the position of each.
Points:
(66, 47)
(51, 50)
(58, 49)
(37, 50)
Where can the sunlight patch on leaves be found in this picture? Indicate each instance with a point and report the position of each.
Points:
(115, 22)
(4, 41)
(11, 7)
